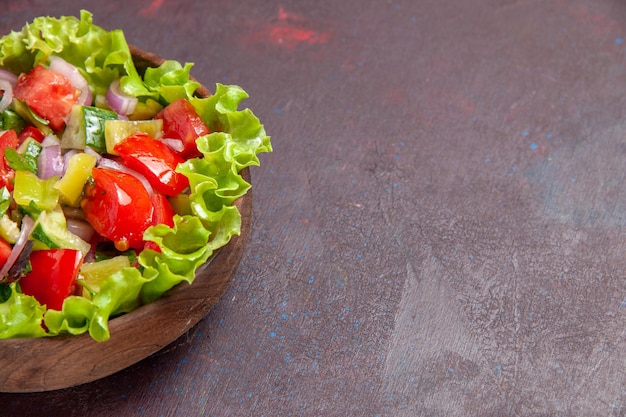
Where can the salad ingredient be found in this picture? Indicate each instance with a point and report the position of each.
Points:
(27, 155)
(118, 166)
(20, 245)
(8, 140)
(51, 232)
(9, 230)
(118, 130)
(85, 127)
(163, 214)
(8, 76)
(52, 277)
(31, 132)
(93, 274)
(5, 251)
(155, 161)
(32, 192)
(8, 81)
(50, 162)
(119, 101)
(27, 115)
(181, 122)
(163, 210)
(48, 94)
(77, 172)
(118, 207)
(10, 120)
(80, 228)
(63, 67)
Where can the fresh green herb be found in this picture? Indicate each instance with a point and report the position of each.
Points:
(20, 162)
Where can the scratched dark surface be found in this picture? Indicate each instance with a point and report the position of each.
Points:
(440, 230)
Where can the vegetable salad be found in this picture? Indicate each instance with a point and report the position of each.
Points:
(115, 185)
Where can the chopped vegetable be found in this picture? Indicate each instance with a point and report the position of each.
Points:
(155, 161)
(118, 130)
(118, 207)
(48, 93)
(76, 174)
(86, 128)
(30, 132)
(181, 122)
(93, 274)
(52, 277)
(8, 140)
(32, 192)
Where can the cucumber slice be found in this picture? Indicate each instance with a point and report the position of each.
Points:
(85, 127)
(51, 232)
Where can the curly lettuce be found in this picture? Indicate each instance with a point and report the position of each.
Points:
(215, 183)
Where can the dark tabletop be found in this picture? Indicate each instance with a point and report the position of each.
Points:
(440, 230)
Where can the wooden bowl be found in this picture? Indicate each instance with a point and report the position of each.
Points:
(43, 364)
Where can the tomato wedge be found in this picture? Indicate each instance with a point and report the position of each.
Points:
(163, 214)
(8, 139)
(5, 251)
(181, 121)
(154, 160)
(48, 93)
(53, 275)
(118, 207)
(163, 211)
(30, 132)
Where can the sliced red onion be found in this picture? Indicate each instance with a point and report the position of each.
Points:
(80, 228)
(50, 162)
(73, 213)
(119, 101)
(28, 224)
(176, 145)
(114, 165)
(7, 94)
(92, 152)
(61, 66)
(9, 76)
(50, 140)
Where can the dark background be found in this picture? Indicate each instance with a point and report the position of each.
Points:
(439, 231)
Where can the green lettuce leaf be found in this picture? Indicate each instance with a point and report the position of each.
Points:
(100, 55)
(20, 315)
(170, 81)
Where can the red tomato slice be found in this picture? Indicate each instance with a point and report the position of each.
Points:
(118, 207)
(154, 160)
(53, 275)
(30, 132)
(8, 139)
(163, 211)
(163, 214)
(48, 93)
(5, 251)
(181, 121)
